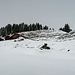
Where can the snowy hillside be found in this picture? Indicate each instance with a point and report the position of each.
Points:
(26, 58)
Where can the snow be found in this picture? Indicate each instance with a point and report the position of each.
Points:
(26, 58)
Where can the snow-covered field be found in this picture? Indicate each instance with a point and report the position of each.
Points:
(26, 58)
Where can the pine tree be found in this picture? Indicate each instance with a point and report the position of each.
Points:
(66, 28)
(45, 27)
(8, 29)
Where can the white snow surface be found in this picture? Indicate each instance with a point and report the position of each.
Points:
(26, 58)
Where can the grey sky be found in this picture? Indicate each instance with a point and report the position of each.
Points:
(54, 13)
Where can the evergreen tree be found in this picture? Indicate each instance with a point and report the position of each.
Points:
(30, 27)
(8, 29)
(40, 27)
(66, 28)
(26, 27)
(3, 33)
(15, 28)
(21, 27)
(33, 27)
(45, 27)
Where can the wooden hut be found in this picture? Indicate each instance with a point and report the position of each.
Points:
(15, 36)
(7, 37)
(24, 37)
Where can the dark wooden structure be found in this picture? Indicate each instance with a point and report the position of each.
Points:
(24, 37)
(15, 36)
(7, 37)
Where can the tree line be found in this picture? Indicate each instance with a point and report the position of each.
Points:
(16, 28)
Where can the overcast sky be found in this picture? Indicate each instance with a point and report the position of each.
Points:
(54, 13)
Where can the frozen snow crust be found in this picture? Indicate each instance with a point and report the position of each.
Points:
(26, 58)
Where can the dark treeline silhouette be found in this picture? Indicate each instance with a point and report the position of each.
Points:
(16, 28)
(66, 28)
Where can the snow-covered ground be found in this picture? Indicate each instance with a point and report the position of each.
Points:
(26, 58)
